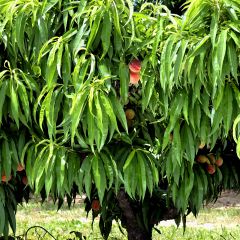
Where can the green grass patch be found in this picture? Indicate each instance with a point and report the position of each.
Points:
(212, 223)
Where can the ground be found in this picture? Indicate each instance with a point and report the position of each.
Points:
(216, 221)
(225, 211)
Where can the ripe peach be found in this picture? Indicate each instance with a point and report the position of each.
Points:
(95, 205)
(201, 145)
(135, 66)
(130, 114)
(20, 167)
(134, 77)
(211, 169)
(24, 180)
(4, 178)
(212, 158)
(219, 162)
(202, 159)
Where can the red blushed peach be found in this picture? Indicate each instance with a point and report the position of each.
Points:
(219, 162)
(211, 169)
(134, 78)
(24, 180)
(96, 205)
(135, 66)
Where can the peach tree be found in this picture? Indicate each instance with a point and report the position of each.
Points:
(131, 104)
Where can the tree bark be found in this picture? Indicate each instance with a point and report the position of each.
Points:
(135, 232)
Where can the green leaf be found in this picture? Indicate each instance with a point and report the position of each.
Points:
(66, 66)
(23, 96)
(149, 177)
(235, 38)
(147, 91)
(99, 176)
(130, 180)
(227, 108)
(214, 25)
(3, 91)
(60, 165)
(106, 32)
(178, 66)
(165, 68)
(78, 105)
(129, 159)
(142, 162)
(232, 58)
(99, 112)
(188, 143)
(118, 110)
(91, 128)
(14, 105)
(108, 168)
(11, 216)
(124, 81)
(174, 114)
(105, 120)
(235, 125)
(20, 31)
(39, 167)
(86, 168)
(2, 214)
(6, 158)
(116, 19)
(95, 26)
(221, 47)
(51, 67)
(14, 152)
(157, 40)
(109, 110)
(238, 147)
(200, 47)
(79, 41)
(59, 59)
(177, 146)
(185, 108)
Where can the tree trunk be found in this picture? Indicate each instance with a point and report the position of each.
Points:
(135, 232)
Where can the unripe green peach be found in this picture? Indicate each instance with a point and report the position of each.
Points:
(202, 159)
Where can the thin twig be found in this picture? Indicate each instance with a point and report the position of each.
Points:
(35, 227)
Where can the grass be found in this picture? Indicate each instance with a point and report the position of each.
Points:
(212, 223)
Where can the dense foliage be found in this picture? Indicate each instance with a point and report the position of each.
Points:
(65, 88)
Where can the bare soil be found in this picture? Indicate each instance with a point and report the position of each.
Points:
(224, 213)
(227, 199)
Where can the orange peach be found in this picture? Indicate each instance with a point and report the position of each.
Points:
(134, 77)
(4, 178)
(130, 114)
